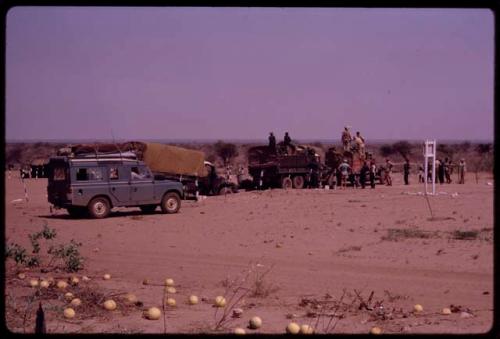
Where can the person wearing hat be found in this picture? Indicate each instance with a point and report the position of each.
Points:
(461, 171)
(346, 138)
(344, 170)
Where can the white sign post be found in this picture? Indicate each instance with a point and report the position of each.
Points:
(430, 153)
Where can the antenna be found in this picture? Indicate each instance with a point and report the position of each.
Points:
(116, 145)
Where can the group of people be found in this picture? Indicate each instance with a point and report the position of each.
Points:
(355, 143)
(443, 172)
(287, 142)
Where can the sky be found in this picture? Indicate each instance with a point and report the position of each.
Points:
(240, 73)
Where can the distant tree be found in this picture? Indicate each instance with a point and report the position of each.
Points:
(484, 159)
(386, 150)
(226, 151)
(403, 148)
(447, 150)
(464, 146)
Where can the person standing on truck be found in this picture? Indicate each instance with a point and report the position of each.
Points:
(272, 142)
(344, 170)
(360, 143)
(406, 171)
(346, 138)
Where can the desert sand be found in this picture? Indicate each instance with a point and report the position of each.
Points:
(318, 249)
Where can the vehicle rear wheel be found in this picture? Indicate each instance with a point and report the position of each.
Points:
(99, 208)
(286, 183)
(76, 212)
(171, 203)
(148, 208)
(298, 181)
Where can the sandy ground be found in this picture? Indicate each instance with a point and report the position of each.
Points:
(318, 247)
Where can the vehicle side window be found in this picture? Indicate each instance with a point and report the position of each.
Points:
(113, 173)
(138, 173)
(89, 174)
(59, 174)
(82, 174)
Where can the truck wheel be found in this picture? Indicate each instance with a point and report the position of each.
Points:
(170, 203)
(286, 183)
(148, 208)
(298, 181)
(76, 212)
(99, 208)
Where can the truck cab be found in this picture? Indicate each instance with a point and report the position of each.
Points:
(85, 185)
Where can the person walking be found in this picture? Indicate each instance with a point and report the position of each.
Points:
(373, 171)
(272, 142)
(388, 172)
(461, 171)
(406, 171)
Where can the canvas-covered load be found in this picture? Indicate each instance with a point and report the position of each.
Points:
(174, 160)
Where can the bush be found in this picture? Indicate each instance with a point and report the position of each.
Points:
(226, 151)
(403, 148)
(386, 150)
(69, 254)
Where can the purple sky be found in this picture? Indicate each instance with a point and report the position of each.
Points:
(239, 73)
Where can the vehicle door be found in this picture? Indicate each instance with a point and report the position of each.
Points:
(119, 183)
(87, 182)
(142, 185)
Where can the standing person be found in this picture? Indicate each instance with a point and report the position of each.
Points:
(388, 172)
(344, 170)
(421, 177)
(406, 171)
(360, 143)
(239, 176)
(440, 169)
(362, 174)
(346, 138)
(373, 171)
(447, 170)
(287, 141)
(272, 142)
(461, 171)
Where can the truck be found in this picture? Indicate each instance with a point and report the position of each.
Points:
(95, 184)
(292, 166)
(299, 166)
(198, 176)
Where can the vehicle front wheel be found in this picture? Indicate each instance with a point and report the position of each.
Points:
(171, 203)
(99, 208)
(148, 208)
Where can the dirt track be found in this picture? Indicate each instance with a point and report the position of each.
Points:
(317, 242)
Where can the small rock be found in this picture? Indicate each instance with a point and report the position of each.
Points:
(465, 315)
(237, 313)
